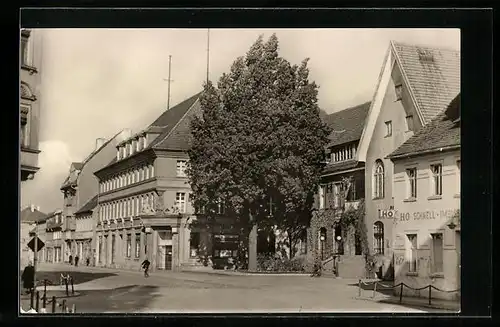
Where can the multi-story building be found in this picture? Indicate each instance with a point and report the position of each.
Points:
(426, 226)
(342, 186)
(85, 218)
(30, 62)
(29, 216)
(144, 207)
(79, 188)
(415, 85)
(54, 241)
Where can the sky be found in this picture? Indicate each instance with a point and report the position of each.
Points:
(96, 82)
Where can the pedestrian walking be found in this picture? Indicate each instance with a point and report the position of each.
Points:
(77, 258)
(27, 277)
(70, 259)
(145, 265)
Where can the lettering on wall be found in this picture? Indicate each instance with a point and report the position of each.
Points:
(399, 260)
(416, 216)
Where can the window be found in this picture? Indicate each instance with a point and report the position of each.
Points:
(388, 128)
(409, 123)
(437, 179)
(113, 241)
(180, 201)
(378, 180)
(412, 253)
(181, 168)
(321, 196)
(458, 176)
(24, 137)
(437, 253)
(137, 245)
(336, 195)
(378, 237)
(412, 182)
(152, 168)
(399, 92)
(194, 243)
(129, 245)
(100, 249)
(24, 50)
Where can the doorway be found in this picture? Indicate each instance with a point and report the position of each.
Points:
(164, 257)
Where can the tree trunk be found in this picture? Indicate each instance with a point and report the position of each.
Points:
(252, 246)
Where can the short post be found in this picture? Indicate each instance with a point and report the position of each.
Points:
(73, 308)
(44, 300)
(72, 287)
(32, 299)
(430, 288)
(374, 289)
(53, 304)
(44, 291)
(37, 308)
(67, 286)
(63, 307)
(359, 288)
(401, 293)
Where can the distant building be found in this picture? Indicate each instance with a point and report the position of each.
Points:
(86, 218)
(426, 226)
(415, 85)
(327, 235)
(80, 189)
(54, 240)
(144, 206)
(30, 216)
(30, 62)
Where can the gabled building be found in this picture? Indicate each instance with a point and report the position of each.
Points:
(79, 188)
(341, 248)
(29, 216)
(85, 219)
(426, 229)
(30, 80)
(54, 244)
(144, 207)
(416, 84)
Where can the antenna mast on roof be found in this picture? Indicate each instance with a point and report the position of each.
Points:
(169, 80)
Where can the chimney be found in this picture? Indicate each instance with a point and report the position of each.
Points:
(32, 208)
(99, 143)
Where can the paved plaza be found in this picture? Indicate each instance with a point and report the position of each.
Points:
(203, 292)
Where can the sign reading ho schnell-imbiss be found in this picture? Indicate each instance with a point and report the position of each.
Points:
(417, 215)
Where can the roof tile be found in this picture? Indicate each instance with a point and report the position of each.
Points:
(347, 124)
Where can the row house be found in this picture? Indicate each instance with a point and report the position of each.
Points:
(79, 188)
(29, 216)
(144, 207)
(341, 187)
(426, 225)
(30, 80)
(54, 237)
(416, 84)
(85, 219)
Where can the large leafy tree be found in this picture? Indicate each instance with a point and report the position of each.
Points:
(259, 143)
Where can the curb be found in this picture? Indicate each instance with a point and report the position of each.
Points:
(412, 304)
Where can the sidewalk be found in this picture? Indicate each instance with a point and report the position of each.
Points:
(418, 302)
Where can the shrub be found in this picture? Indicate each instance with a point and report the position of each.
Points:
(274, 263)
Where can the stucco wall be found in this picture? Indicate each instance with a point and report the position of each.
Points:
(425, 216)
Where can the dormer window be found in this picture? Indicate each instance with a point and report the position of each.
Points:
(399, 92)
(144, 142)
(118, 154)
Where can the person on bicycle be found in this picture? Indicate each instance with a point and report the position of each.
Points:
(145, 265)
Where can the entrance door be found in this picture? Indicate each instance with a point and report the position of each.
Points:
(160, 262)
(168, 257)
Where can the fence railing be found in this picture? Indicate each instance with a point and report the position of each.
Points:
(402, 286)
(35, 297)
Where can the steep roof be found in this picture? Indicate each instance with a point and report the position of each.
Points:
(347, 125)
(89, 206)
(28, 216)
(339, 167)
(77, 165)
(443, 132)
(433, 75)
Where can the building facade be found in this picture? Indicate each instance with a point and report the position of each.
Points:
(30, 63)
(342, 187)
(416, 84)
(85, 219)
(30, 216)
(426, 228)
(54, 237)
(80, 189)
(144, 207)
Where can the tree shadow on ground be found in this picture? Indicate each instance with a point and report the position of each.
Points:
(54, 277)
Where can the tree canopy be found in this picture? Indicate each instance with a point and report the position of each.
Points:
(258, 144)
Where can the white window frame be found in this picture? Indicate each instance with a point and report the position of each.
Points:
(376, 248)
(434, 270)
(379, 180)
(412, 189)
(388, 128)
(180, 201)
(436, 177)
(412, 252)
(181, 168)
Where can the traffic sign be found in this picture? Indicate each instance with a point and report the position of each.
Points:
(39, 244)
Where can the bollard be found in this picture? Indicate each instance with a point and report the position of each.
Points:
(67, 289)
(430, 288)
(73, 308)
(44, 303)
(53, 304)
(37, 308)
(401, 294)
(374, 289)
(359, 288)
(44, 290)
(63, 306)
(72, 287)
(32, 299)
